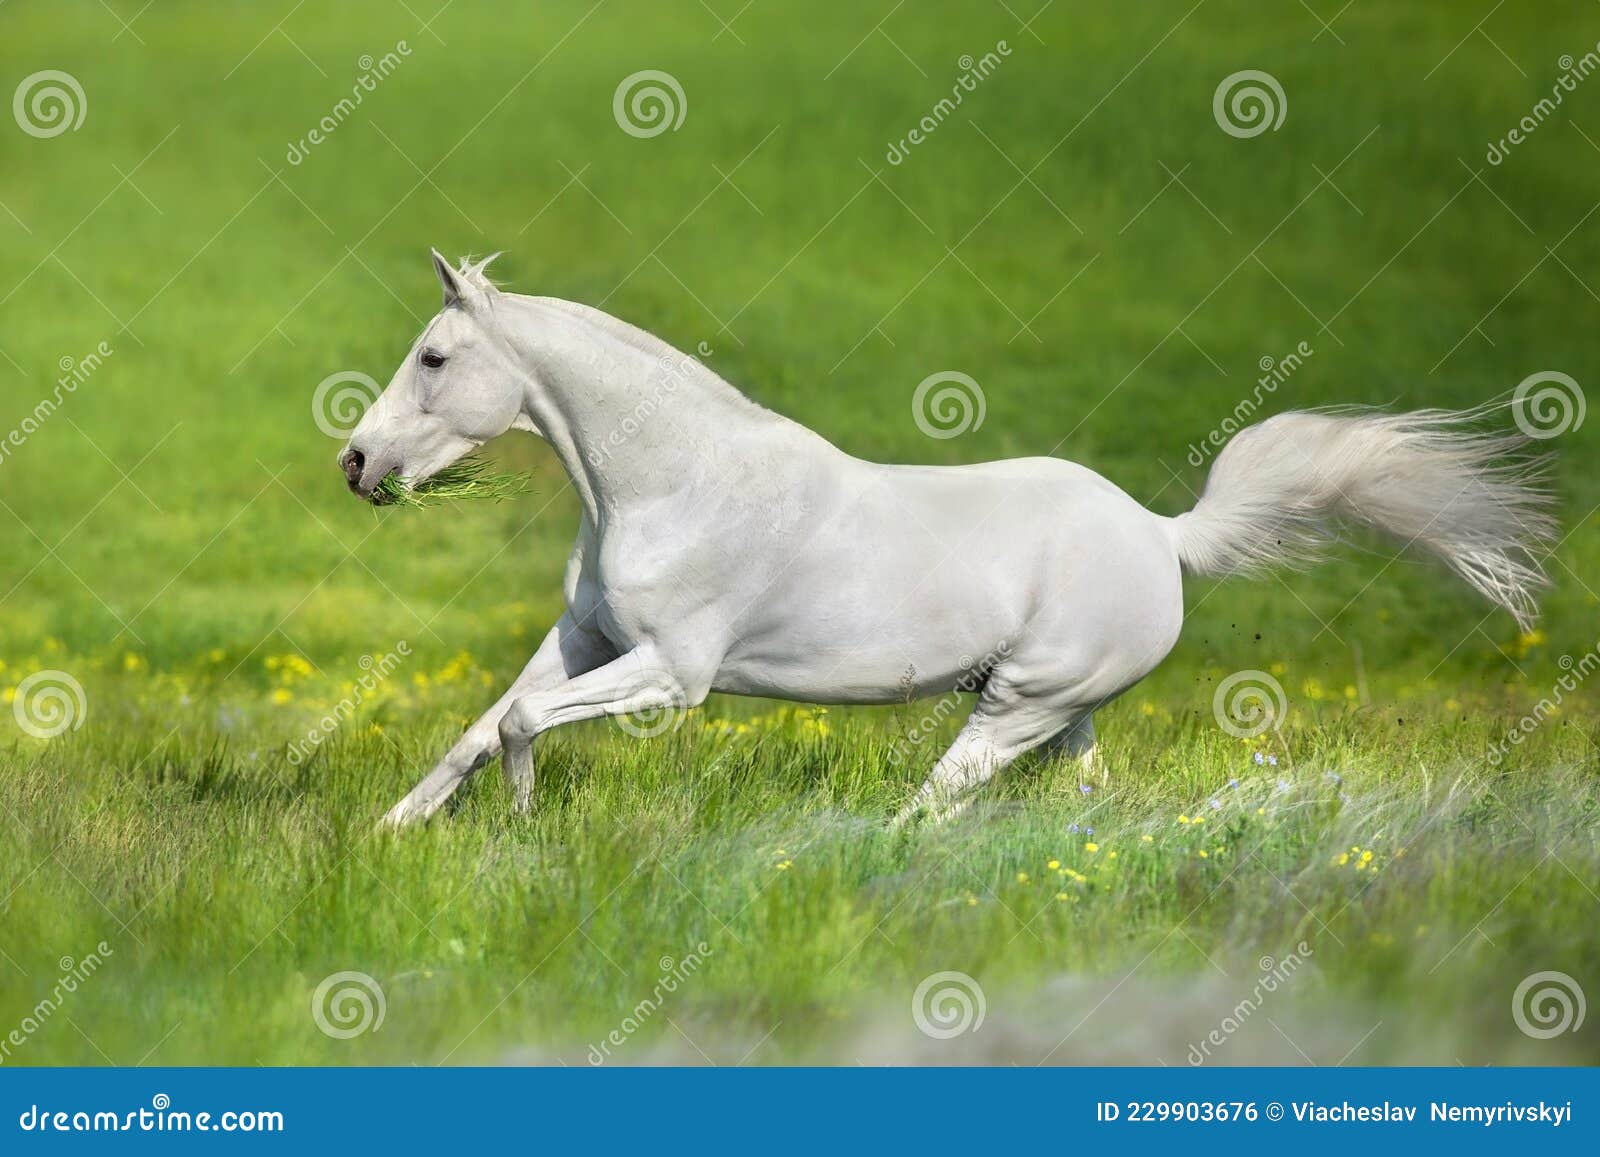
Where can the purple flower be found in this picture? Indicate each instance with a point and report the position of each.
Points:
(1272, 759)
(1260, 759)
(1233, 783)
(1085, 788)
(1074, 829)
(1088, 831)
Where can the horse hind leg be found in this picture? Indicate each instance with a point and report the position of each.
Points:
(1075, 741)
(1006, 723)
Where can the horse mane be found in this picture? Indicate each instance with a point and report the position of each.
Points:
(475, 274)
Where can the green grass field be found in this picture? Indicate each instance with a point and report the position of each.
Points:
(1079, 235)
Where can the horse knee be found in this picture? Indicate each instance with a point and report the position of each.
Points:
(522, 721)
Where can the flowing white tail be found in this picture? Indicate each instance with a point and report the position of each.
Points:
(1280, 490)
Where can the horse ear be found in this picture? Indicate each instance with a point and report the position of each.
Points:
(453, 292)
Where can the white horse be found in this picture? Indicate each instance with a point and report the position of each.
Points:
(726, 548)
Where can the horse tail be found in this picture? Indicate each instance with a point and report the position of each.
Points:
(1280, 491)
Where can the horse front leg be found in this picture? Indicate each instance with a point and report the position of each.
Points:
(570, 649)
(634, 683)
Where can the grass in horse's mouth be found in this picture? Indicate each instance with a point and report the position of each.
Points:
(468, 478)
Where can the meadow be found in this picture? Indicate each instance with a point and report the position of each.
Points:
(1370, 881)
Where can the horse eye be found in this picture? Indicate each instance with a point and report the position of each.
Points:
(432, 360)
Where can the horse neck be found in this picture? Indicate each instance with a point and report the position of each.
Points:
(631, 418)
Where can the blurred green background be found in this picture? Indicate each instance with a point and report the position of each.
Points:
(1113, 305)
(1080, 236)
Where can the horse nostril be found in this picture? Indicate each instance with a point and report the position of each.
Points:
(354, 462)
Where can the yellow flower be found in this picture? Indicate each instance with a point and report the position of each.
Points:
(1204, 855)
(132, 662)
(1053, 864)
(1147, 838)
(1062, 896)
(1111, 855)
(1022, 877)
(1183, 819)
(282, 695)
(784, 865)
(1091, 847)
